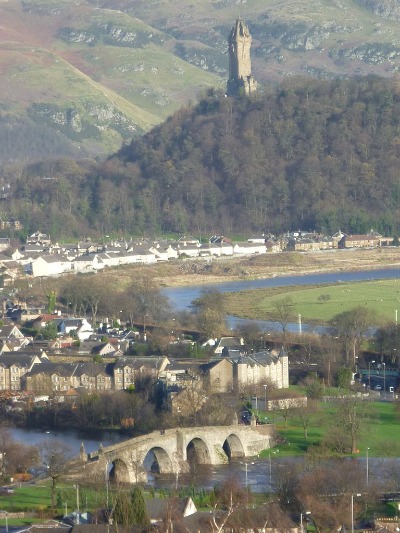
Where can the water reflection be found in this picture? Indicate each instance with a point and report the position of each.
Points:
(260, 475)
(72, 438)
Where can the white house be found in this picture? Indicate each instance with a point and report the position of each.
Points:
(189, 250)
(248, 248)
(87, 263)
(139, 254)
(49, 265)
(81, 326)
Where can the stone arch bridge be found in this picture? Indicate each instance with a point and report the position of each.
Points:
(172, 451)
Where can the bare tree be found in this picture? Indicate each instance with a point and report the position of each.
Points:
(351, 414)
(137, 465)
(229, 497)
(350, 326)
(146, 302)
(211, 313)
(327, 490)
(55, 456)
(306, 414)
(16, 456)
(283, 311)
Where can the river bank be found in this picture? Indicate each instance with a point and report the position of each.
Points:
(200, 272)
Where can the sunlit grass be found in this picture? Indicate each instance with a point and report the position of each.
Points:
(320, 304)
(380, 431)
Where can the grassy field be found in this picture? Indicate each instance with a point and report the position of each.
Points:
(29, 497)
(319, 304)
(380, 433)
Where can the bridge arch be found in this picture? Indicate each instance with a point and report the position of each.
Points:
(119, 471)
(157, 460)
(233, 447)
(197, 451)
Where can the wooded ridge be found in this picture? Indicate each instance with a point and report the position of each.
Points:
(309, 154)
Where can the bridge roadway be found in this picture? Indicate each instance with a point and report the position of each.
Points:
(173, 450)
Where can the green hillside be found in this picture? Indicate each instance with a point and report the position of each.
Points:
(80, 79)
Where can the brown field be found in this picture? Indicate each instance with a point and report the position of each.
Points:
(200, 272)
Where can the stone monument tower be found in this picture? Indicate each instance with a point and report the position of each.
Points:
(240, 79)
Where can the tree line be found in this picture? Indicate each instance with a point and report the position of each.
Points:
(313, 154)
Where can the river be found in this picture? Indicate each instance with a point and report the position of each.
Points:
(181, 298)
(257, 473)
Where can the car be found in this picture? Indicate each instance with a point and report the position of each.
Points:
(6, 490)
(246, 417)
(378, 387)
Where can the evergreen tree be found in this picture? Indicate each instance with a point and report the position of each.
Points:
(139, 511)
(123, 513)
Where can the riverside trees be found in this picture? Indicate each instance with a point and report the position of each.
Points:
(55, 456)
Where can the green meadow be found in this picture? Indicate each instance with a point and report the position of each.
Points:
(319, 304)
(380, 431)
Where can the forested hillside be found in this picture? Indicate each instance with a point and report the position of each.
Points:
(309, 154)
(79, 79)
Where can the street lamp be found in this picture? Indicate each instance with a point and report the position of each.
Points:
(144, 327)
(107, 482)
(384, 378)
(6, 513)
(352, 511)
(270, 467)
(245, 469)
(265, 397)
(77, 504)
(369, 373)
(301, 520)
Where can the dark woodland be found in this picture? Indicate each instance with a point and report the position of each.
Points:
(315, 155)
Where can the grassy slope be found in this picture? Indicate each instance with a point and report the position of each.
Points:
(37, 67)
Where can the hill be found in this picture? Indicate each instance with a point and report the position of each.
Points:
(316, 155)
(80, 79)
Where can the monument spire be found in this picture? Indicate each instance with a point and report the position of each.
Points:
(240, 80)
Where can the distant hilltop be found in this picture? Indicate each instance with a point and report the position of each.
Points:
(113, 75)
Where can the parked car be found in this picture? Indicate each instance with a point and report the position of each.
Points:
(6, 490)
(246, 417)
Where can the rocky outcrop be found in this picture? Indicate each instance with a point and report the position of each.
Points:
(110, 34)
(388, 9)
(373, 53)
(79, 123)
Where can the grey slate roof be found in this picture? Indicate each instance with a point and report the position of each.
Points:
(16, 358)
(138, 362)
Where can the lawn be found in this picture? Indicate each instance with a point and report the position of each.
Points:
(319, 304)
(38, 498)
(380, 432)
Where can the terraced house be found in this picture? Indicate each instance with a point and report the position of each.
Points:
(13, 368)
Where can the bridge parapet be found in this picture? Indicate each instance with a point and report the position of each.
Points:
(174, 449)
